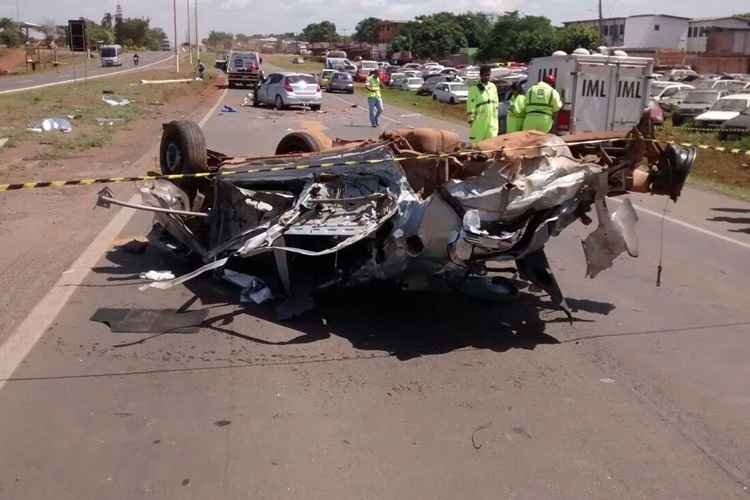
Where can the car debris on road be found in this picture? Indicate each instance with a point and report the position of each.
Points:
(416, 207)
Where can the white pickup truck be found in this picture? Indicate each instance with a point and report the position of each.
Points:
(599, 92)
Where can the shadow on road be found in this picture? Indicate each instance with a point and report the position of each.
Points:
(733, 220)
(377, 317)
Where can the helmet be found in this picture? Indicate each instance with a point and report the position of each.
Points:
(550, 79)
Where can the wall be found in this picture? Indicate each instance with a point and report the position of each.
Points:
(705, 63)
(729, 42)
(641, 32)
(698, 31)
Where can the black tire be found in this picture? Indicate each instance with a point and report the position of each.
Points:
(453, 101)
(434, 97)
(315, 107)
(677, 121)
(183, 148)
(278, 103)
(256, 102)
(304, 142)
(351, 91)
(230, 84)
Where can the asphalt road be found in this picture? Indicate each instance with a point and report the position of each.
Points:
(19, 83)
(409, 396)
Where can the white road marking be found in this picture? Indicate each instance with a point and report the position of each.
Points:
(23, 339)
(94, 77)
(688, 225)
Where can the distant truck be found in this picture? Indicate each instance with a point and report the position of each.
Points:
(111, 55)
(244, 68)
(599, 92)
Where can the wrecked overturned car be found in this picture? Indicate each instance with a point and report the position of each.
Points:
(417, 207)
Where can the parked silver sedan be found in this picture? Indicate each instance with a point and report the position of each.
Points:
(341, 82)
(289, 89)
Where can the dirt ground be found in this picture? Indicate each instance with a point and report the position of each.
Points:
(10, 59)
(50, 227)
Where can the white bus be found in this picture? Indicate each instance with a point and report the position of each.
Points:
(110, 55)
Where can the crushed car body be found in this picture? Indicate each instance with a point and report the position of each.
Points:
(416, 207)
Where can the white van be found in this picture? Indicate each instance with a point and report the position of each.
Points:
(598, 92)
(110, 55)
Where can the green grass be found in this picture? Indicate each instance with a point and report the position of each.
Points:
(721, 171)
(83, 101)
(284, 61)
(410, 102)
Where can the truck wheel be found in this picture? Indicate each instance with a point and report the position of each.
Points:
(183, 148)
(315, 107)
(304, 142)
(278, 103)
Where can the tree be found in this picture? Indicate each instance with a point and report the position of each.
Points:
(97, 34)
(574, 37)
(133, 31)
(10, 33)
(476, 27)
(433, 36)
(367, 30)
(320, 32)
(517, 37)
(107, 21)
(219, 39)
(49, 28)
(155, 39)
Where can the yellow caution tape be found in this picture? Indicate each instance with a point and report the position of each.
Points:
(328, 164)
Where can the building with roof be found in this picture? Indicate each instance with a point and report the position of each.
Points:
(656, 31)
(612, 29)
(699, 29)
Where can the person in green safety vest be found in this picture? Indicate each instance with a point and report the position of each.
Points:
(542, 102)
(374, 99)
(516, 109)
(482, 108)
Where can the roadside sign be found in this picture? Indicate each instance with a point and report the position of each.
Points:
(77, 35)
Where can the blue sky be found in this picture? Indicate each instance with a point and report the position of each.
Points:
(263, 16)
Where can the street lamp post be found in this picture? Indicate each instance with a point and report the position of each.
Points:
(197, 38)
(190, 47)
(176, 44)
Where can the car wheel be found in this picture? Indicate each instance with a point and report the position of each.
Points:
(453, 101)
(315, 107)
(183, 148)
(304, 142)
(278, 103)
(434, 97)
(230, 84)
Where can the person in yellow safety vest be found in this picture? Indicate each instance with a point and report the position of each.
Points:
(374, 99)
(482, 108)
(542, 102)
(516, 109)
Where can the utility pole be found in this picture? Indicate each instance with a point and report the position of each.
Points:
(601, 23)
(190, 47)
(18, 13)
(197, 38)
(176, 44)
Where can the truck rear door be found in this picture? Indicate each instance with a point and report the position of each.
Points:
(593, 88)
(631, 96)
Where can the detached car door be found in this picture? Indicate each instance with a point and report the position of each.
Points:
(270, 88)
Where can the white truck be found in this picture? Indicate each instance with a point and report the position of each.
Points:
(111, 55)
(599, 92)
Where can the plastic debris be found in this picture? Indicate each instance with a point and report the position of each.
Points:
(3, 140)
(253, 288)
(159, 82)
(228, 109)
(50, 124)
(109, 121)
(157, 275)
(114, 100)
(248, 100)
